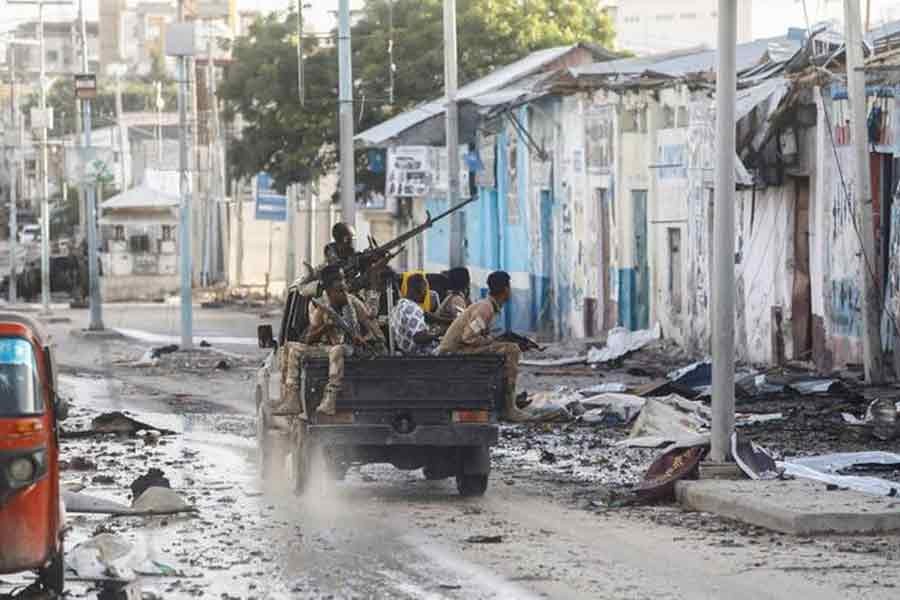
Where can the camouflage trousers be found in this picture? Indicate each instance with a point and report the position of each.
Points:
(290, 370)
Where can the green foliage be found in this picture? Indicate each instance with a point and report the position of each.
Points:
(136, 96)
(297, 143)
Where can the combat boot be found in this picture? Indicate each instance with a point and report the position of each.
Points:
(513, 413)
(329, 402)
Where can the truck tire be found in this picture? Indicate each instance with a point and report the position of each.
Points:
(471, 485)
(52, 577)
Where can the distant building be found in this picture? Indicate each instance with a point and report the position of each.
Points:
(653, 26)
(62, 47)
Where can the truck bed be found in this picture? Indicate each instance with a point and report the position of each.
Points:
(419, 384)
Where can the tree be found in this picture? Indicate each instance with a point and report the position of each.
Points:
(297, 143)
(136, 96)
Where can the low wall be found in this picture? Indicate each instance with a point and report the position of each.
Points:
(124, 288)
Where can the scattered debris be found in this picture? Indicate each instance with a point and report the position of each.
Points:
(668, 420)
(884, 419)
(827, 468)
(115, 422)
(612, 409)
(621, 341)
(205, 344)
(223, 365)
(161, 500)
(78, 463)
(755, 461)
(674, 465)
(110, 557)
(553, 362)
(152, 478)
(80, 503)
(603, 388)
(484, 539)
(157, 352)
(553, 405)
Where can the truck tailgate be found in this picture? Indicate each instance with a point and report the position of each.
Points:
(459, 382)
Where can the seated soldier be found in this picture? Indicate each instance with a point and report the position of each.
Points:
(324, 331)
(458, 290)
(408, 320)
(470, 334)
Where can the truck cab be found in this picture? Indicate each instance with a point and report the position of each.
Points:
(436, 413)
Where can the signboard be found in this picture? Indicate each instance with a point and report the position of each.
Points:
(419, 171)
(89, 165)
(42, 118)
(270, 205)
(85, 86)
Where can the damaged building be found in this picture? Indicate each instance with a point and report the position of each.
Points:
(594, 177)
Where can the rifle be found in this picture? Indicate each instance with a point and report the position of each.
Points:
(368, 349)
(357, 266)
(525, 343)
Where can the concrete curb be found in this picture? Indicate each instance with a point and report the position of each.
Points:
(106, 334)
(797, 507)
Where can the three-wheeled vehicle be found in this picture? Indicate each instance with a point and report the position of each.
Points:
(31, 510)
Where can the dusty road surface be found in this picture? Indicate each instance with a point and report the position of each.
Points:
(382, 533)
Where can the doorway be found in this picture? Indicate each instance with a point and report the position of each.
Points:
(640, 306)
(801, 294)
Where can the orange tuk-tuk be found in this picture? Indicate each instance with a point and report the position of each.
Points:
(31, 510)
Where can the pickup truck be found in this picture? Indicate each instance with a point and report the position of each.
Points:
(437, 413)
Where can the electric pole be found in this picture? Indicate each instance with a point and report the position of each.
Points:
(12, 155)
(348, 174)
(96, 308)
(723, 282)
(45, 176)
(457, 252)
(856, 91)
(184, 187)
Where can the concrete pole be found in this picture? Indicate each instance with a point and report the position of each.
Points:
(290, 271)
(300, 82)
(457, 223)
(45, 176)
(856, 88)
(184, 189)
(217, 164)
(96, 307)
(310, 215)
(348, 168)
(723, 283)
(121, 132)
(82, 207)
(13, 174)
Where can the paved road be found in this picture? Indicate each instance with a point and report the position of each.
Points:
(389, 534)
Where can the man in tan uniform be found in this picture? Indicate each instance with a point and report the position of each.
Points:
(470, 334)
(338, 344)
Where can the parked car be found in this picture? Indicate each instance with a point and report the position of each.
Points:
(31, 510)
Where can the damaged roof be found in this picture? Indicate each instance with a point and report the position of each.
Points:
(503, 77)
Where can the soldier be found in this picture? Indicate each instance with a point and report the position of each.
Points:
(343, 245)
(324, 331)
(470, 334)
(458, 290)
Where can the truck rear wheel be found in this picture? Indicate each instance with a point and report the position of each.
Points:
(471, 485)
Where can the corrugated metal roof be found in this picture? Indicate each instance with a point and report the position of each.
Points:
(693, 61)
(142, 196)
(498, 79)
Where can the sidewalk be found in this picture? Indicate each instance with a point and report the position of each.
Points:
(799, 506)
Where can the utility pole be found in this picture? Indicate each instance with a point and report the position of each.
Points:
(217, 164)
(457, 253)
(159, 106)
(723, 283)
(290, 268)
(13, 173)
(348, 168)
(300, 81)
(96, 307)
(184, 188)
(121, 128)
(856, 91)
(45, 180)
